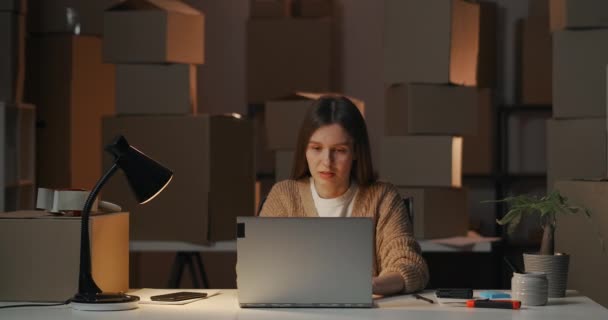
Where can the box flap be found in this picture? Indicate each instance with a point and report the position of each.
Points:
(164, 5)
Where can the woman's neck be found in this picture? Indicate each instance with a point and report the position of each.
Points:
(330, 192)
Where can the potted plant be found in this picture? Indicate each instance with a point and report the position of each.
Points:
(546, 260)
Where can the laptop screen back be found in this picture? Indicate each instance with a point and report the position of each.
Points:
(304, 262)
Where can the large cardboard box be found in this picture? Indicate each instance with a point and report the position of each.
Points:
(572, 14)
(18, 148)
(18, 6)
(153, 31)
(537, 57)
(67, 16)
(212, 158)
(155, 89)
(434, 161)
(284, 161)
(12, 56)
(270, 8)
(579, 73)
(445, 51)
(19, 196)
(41, 252)
(287, 55)
(578, 236)
(284, 118)
(72, 91)
(576, 149)
(438, 212)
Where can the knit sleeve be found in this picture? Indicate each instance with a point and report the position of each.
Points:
(398, 250)
(273, 206)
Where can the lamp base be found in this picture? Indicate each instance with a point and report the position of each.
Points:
(104, 302)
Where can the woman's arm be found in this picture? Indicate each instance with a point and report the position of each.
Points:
(398, 251)
(387, 284)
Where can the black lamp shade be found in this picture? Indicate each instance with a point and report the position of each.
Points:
(146, 177)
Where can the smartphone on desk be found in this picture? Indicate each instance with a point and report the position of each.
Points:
(178, 296)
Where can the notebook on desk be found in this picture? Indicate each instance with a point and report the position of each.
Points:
(304, 262)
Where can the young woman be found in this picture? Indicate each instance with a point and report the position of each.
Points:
(333, 177)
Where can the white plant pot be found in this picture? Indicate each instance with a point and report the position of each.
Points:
(556, 268)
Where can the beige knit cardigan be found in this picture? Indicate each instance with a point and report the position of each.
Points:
(396, 250)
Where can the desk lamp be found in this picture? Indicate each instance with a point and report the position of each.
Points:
(147, 178)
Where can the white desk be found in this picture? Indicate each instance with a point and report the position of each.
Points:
(225, 306)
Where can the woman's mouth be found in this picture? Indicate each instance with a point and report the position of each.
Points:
(326, 174)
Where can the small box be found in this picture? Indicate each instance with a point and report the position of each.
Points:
(270, 8)
(74, 17)
(438, 212)
(41, 254)
(445, 51)
(284, 161)
(281, 59)
(579, 73)
(212, 158)
(576, 148)
(155, 89)
(434, 161)
(12, 56)
(537, 57)
(153, 31)
(72, 91)
(576, 14)
(579, 234)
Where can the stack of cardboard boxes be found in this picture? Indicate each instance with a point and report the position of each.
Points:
(156, 110)
(438, 108)
(577, 137)
(17, 119)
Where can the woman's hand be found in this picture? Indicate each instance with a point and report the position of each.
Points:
(387, 284)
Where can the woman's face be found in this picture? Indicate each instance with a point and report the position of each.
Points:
(330, 157)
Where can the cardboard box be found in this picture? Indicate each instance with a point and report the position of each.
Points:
(431, 218)
(47, 268)
(452, 38)
(434, 161)
(18, 196)
(285, 164)
(284, 118)
(577, 149)
(527, 143)
(572, 14)
(12, 56)
(578, 235)
(280, 60)
(536, 62)
(156, 89)
(72, 91)
(18, 148)
(17, 6)
(312, 8)
(153, 31)
(487, 56)
(264, 157)
(269, 8)
(539, 8)
(74, 17)
(212, 158)
(579, 73)
(431, 109)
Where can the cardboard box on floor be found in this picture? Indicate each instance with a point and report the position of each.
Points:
(67, 16)
(270, 8)
(12, 56)
(578, 235)
(153, 31)
(43, 254)
(212, 158)
(287, 55)
(579, 73)
(439, 109)
(438, 212)
(72, 90)
(537, 56)
(572, 14)
(453, 39)
(434, 161)
(284, 118)
(576, 148)
(155, 89)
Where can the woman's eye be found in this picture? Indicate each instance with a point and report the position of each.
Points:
(316, 148)
(341, 150)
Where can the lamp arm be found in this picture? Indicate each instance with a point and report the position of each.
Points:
(86, 284)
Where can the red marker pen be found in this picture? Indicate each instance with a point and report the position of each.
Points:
(498, 304)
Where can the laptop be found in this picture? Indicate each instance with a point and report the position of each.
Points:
(304, 262)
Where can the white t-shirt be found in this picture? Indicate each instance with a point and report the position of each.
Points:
(341, 206)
